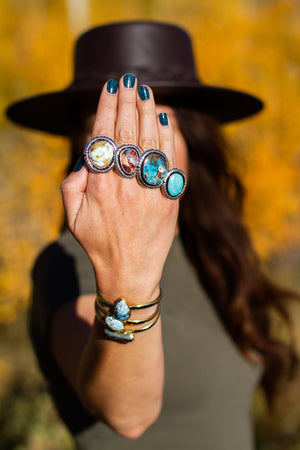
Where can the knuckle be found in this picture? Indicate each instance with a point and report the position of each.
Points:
(128, 100)
(65, 185)
(147, 108)
(167, 137)
(108, 107)
(147, 142)
(125, 135)
(104, 131)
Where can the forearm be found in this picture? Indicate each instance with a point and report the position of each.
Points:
(123, 382)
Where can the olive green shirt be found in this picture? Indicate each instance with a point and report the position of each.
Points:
(208, 383)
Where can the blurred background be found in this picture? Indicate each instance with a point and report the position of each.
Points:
(246, 44)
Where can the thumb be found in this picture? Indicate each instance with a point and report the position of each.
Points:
(73, 190)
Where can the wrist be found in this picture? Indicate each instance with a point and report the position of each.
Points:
(135, 292)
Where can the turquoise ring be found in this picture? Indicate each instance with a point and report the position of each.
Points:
(152, 168)
(126, 160)
(99, 154)
(174, 184)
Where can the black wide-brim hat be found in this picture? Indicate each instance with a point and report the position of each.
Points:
(159, 54)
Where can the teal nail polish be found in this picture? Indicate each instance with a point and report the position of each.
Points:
(79, 164)
(129, 80)
(112, 86)
(143, 92)
(163, 118)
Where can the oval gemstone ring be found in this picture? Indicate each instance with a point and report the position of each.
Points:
(152, 168)
(126, 160)
(99, 154)
(174, 184)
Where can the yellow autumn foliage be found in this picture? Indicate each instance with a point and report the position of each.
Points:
(246, 44)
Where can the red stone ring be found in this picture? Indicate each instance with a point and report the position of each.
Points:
(126, 160)
(99, 154)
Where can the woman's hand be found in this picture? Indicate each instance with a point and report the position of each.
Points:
(126, 229)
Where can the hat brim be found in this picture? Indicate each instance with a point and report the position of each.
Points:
(54, 112)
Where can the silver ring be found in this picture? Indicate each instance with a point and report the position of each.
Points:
(99, 154)
(174, 184)
(126, 160)
(152, 168)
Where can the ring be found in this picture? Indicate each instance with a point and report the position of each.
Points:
(126, 160)
(99, 154)
(152, 168)
(174, 184)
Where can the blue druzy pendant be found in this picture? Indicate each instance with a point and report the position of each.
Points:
(152, 168)
(114, 324)
(121, 310)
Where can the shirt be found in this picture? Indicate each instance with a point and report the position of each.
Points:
(208, 382)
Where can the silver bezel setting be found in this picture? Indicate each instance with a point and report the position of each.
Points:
(117, 157)
(87, 151)
(140, 167)
(164, 185)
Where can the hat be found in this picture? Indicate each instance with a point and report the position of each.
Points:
(159, 54)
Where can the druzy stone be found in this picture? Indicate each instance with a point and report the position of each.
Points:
(154, 169)
(114, 324)
(127, 337)
(175, 184)
(128, 160)
(121, 310)
(101, 154)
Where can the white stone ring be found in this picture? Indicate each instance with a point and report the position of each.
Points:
(126, 160)
(152, 168)
(174, 184)
(99, 154)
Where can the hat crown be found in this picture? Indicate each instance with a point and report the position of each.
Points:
(155, 52)
(160, 54)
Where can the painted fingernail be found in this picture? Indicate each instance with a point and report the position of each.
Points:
(80, 163)
(143, 92)
(129, 80)
(163, 118)
(112, 86)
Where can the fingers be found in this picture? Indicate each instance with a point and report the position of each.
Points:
(126, 123)
(116, 115)
(166, 138)
(155, 131)
(127, 114)
(148, 132)
(106, 114)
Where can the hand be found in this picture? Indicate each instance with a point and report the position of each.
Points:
(126, 229)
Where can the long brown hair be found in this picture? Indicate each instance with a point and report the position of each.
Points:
(218, 245)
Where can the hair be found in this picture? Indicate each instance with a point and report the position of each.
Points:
(218, 245)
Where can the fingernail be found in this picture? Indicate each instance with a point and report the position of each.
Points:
(163, 118)
(129, 80)
(112, 86)
(80, 163)
(143, 92)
